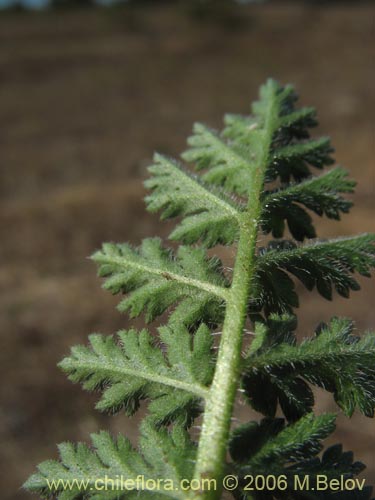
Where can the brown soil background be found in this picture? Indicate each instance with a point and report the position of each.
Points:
(85, 99)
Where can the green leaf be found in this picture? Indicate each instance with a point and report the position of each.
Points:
(237, 128)
(233, 163)
(291, 153)
(293, 124)
(299, 441)
(319, 194)
(317, 264)
(296, 123)
(264, 450)
(260, 444)
(247, 439)
(136, 368)
(293, 159)
(155, 280)
(334, 359)
(175, 369)
(83, 472)
(229, 165)
(231, 157)
(209, 215)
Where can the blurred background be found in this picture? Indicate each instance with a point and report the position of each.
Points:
(87, 95)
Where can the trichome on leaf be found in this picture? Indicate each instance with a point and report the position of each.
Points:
(260, 175)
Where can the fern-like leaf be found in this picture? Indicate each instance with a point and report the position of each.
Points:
(232, 156)
(136, 369)
(323, 265)
(229, 165)
(209, 215)
(293, 124)
(84, 473)
(336, 360)
(319, 194)
(155, 280)
(296, 442)
(294, 160)
(269, 448)
(255, 175)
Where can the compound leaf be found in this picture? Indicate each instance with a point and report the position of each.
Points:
(84, 472)
(323, 265)
(289, 453)
(335, 360)
(135, 368)
(319, 194)
(155, 280)
(209, 215)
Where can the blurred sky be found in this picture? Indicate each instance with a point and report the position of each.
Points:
(36, 4)
(40, 4)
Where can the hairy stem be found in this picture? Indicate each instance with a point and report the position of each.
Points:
(219, 404)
